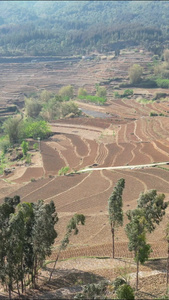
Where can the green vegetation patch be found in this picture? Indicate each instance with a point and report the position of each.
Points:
(93, 99)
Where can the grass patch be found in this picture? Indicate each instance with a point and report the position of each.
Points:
(144, 101)
(93, 99)
(162, 83)
(166, 169)
(83, 257)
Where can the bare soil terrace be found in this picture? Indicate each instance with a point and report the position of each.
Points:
(128, 137)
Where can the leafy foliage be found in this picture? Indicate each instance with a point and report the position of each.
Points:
(26, 234)
(34, 129)
(93, 291)
(94, 99)
(115, 205)
(13, 128)
(135, 73)
(63, 171)
(125, 292)
(66, 92)
(153, 207)
(32, 107)
(30, 27)
(118, 282)
(25, 147)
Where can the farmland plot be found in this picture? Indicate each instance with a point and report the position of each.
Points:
(127, 136)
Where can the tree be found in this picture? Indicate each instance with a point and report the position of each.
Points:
(101, 92)
(167, 238)
(166, 55)
(32, 107)
(71, 227)
(82, 92)
(115, 205)
(8, 259)
(67, 92)
(135, 73)
(43, 234)
(25, 147)
(13, 128)
(26, 235)
(153, 207)
(35, 129)
(149, 213)
(52, 109)
(136, 232)
(70, 107)
(45, 96)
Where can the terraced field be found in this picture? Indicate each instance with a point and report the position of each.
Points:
(128, 136)
(135, 143)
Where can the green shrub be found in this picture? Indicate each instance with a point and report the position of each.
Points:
(35, 146)
(94, 99)
(66, 92)
(125, 292)
(117, 95)
(33, 179)
(93, 291)
(153, 114)
(82, 92)
(128, 92)
(28, 158)
(63, 171)
(118, 282)
(163, 83)
(35, 129)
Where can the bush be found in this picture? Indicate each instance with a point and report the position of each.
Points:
(67, 92)
(35, 129)
(32, 107)
(28, 158)
(101, 92)
(70, 108)
(118, 282)
(163, 83)
(128, 92)
(63, 171)
(117, 95)
(82, 92)
(4, 144)
(135, 73)
(93, 291)
(35, 146)
(125, 292)
(153, 114)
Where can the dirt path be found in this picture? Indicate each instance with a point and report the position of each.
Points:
(124, 167)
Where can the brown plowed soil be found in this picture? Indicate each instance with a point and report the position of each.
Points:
(30, 173)
(128, 136)
(52, 161)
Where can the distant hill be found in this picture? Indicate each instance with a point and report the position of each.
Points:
(74, 27)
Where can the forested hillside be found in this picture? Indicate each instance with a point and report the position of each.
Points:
(74, 27)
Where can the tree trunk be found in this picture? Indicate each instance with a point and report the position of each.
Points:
(10, 289)
(18, 288)
(57, 257)
(168, 264)
(112, 230)
(137, 275)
